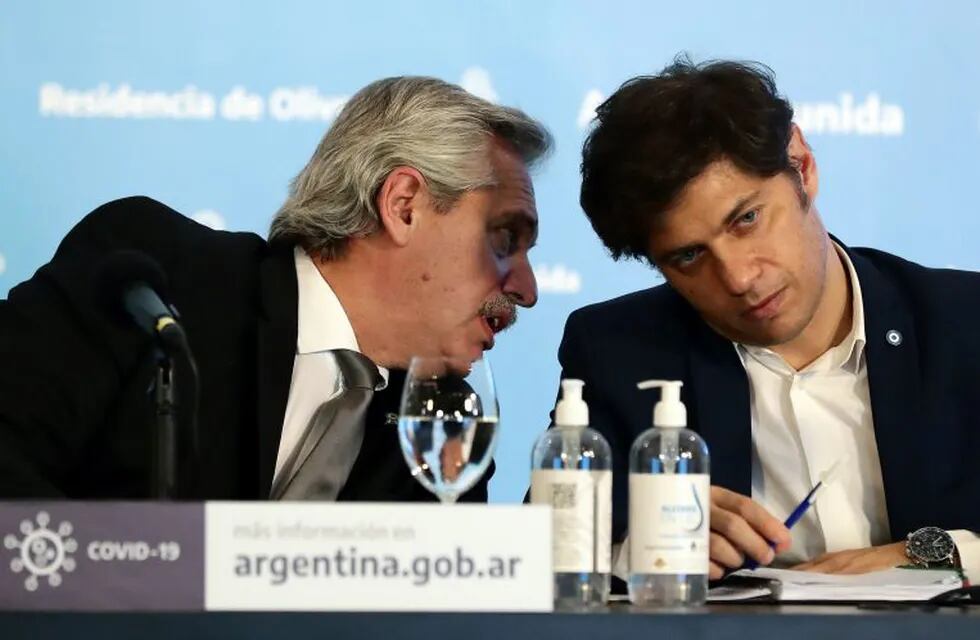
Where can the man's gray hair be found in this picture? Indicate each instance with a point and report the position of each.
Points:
(438, 128)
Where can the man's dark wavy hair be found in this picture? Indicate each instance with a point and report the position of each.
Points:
(656, 133)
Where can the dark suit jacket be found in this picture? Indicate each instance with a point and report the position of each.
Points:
(75, 416)
(925, 392)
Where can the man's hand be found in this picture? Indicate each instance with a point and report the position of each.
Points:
(858, 560)
(741, 527)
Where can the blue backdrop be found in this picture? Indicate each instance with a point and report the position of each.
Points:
(213, 106)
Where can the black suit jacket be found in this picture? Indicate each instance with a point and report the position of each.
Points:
(75, 415)
(925, 392)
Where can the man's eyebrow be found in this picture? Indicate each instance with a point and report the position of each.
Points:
(739, 207)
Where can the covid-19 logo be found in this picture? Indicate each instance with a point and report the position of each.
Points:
(42, 552)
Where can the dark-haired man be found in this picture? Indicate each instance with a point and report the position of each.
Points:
(796, 351)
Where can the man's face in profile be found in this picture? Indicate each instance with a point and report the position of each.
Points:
(746, 252)
(473, 263)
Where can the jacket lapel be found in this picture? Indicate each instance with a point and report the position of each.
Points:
(719, 397)
(276, 353)
(380, 471)
(893, 379)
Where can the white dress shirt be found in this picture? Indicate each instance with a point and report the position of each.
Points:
(802, 423)
(323, 325)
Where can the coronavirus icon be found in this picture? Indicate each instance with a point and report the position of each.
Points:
(42, 552)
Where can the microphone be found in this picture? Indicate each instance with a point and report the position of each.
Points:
(131, 286)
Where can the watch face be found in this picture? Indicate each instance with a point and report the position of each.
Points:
(931, 544)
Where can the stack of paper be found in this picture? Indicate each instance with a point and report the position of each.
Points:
(787, 585)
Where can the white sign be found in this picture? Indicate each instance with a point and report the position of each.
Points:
(306, 556)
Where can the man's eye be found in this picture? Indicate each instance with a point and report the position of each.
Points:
(503, 242)
(687, 257)
(748, 218)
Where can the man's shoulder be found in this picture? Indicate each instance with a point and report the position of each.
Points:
(140, 222)
(637, 336)
(920, 281)
(136, 211)
(655, 308)
(199, 263)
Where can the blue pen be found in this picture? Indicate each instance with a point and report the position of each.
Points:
(800, 509)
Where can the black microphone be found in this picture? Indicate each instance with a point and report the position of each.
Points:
(131, 286)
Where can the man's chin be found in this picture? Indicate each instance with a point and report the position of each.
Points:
(768, 338)
(477, 353)
(469, 353)
(770, 335)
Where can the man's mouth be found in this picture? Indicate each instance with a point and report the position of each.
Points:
(492, 325)
(496, 316)
(767, 307)
(489, 332)
(498, 323)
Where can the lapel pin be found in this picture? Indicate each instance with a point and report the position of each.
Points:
(391, 418)
(894, 337)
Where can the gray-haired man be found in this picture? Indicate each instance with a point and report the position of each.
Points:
(406, 233)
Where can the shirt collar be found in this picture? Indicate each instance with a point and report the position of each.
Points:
(856, 339)
(848, 354)
(323, 324)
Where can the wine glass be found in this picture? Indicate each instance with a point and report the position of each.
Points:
(447, 424)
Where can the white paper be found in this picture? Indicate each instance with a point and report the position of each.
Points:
(889, 585)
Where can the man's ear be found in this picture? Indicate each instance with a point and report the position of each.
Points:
(802, 160)
(398, 202)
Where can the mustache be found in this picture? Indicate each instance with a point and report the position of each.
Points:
(500, 306)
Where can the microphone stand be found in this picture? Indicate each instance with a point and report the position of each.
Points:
(163, 467)
(171, 341)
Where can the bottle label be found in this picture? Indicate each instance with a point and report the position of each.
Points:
(669, 523)
(581, 503)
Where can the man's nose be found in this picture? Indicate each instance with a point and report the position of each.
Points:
(519, 282)
(737, 271)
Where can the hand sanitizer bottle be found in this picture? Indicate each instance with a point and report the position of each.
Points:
(669, 507)
(571, 470)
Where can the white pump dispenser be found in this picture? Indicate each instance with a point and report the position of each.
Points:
(670, 412)
(571, 410)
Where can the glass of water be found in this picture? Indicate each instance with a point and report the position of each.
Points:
(447, 424)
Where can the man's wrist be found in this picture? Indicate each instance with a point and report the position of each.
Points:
(932, 547)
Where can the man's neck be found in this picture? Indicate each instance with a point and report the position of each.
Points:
(830, 323)
(362, 295)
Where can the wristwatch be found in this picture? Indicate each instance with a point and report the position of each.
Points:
(931, 547)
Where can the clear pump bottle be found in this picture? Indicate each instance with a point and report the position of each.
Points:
(669, 507)
(571, 469)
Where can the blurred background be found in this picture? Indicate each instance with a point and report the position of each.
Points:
(213, 106)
